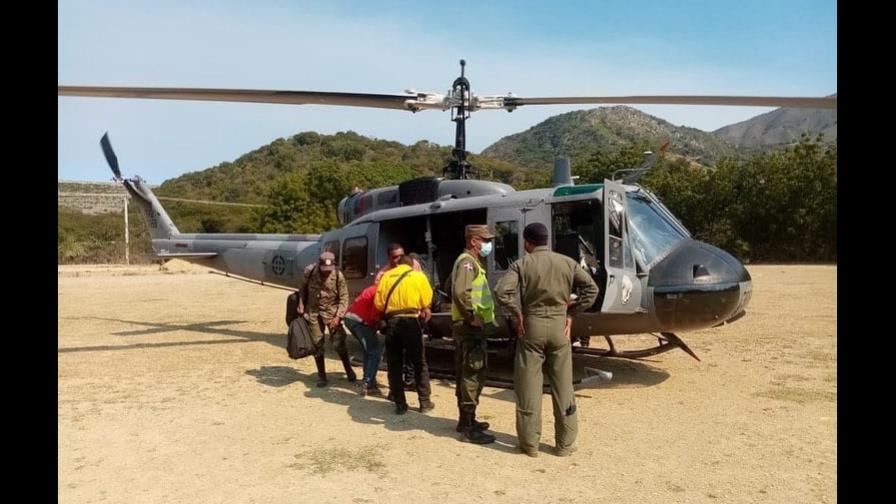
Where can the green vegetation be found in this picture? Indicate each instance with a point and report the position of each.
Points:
(582, 134)
(252, 177)
(775, 206)
(100, 238)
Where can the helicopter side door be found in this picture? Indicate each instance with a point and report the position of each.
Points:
(623, 289)
(505, 222)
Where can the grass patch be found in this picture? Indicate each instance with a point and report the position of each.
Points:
(328, 460)
(798, 395)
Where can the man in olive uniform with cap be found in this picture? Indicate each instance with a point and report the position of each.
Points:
(472, 321)
(323, 306)
(544, 280)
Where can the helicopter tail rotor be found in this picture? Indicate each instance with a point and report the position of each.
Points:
(111, 158)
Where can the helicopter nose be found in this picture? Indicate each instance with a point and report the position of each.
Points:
(697, 286)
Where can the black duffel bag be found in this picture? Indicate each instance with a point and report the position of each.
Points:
(298, 340)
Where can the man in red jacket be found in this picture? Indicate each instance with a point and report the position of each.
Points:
(361, 320)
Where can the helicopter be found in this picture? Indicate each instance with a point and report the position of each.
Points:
(653, 276)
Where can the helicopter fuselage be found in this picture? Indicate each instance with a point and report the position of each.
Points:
(652, 275)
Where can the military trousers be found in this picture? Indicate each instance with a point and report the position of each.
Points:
(318, 327)
(470, 363)
(544, 345)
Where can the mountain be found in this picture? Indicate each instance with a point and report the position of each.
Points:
(580, 133)
(779, 127)
(249, 178)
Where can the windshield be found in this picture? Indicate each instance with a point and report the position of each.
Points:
(653, 232)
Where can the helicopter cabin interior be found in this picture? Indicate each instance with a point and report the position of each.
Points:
(438, 256)
(577, 230)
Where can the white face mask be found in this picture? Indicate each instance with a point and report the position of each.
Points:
(486, 249)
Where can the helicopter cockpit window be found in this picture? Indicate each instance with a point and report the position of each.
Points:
(387, 198)
(576, 229)
(507, 248)
(354, 257)
(652, 231)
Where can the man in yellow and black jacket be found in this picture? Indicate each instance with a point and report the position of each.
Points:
(404, 296)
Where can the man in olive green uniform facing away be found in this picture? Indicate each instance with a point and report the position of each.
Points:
(544, 281)
(472, 321)
(326, 294)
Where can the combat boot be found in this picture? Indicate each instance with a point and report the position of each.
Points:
(321, 371)
(349, 372)
(472, 435)
(475, 424)
(479, 425)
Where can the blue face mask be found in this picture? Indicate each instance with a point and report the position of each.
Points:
(486, 249)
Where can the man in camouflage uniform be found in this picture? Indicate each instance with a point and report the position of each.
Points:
(323, 304)
(544, 280)
(472, 321)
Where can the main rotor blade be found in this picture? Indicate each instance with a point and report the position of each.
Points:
(829, 102)
(244, 95)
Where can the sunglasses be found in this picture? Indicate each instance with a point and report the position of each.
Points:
(399, 256)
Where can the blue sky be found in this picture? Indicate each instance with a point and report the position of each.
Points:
(786, 48)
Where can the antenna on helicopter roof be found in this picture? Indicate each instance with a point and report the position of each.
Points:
(458, 167)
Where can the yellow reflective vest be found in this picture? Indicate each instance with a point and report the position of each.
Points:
(480, 293)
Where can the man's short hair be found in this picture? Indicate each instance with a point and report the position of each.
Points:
(536, 234)
(395, 246)
(406, 259)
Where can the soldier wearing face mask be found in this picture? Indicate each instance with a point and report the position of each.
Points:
(472, 321)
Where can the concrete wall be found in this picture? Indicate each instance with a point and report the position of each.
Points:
(91, 197)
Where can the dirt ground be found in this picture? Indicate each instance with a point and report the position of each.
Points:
(175, 386)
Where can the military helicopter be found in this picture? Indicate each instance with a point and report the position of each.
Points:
(654, 278)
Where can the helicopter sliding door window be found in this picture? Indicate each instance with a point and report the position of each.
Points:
(354, 255)
(623, 287)
(507, 246)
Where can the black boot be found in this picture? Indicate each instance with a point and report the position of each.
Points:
(476, 425)
(321, 371)
(349, 372)
(479, 425)
(472, 435)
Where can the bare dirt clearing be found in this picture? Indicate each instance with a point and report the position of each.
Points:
(175, 387)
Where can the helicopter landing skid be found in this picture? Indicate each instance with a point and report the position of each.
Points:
(667, 341)
(594, 375)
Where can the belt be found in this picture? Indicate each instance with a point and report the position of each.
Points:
(545, 310)
(406, 312)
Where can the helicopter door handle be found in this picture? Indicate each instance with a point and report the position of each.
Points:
(611, 279)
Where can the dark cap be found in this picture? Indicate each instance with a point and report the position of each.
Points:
(536, 233)
(327, 261)
(480, 230)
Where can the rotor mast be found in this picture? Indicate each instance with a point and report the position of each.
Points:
(458, 167)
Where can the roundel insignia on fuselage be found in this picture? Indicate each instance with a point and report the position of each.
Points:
(278, 265)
